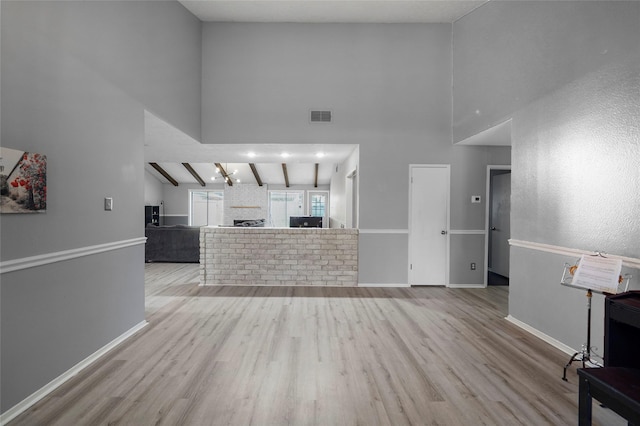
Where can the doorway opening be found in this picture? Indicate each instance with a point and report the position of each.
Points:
(498, 225)
(352, 199)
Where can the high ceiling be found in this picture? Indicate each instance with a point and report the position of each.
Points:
(331, 11)
(169, 148)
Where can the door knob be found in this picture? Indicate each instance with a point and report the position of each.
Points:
(493, 228)
(443, 232)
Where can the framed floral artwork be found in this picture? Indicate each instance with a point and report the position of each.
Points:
(23, 181)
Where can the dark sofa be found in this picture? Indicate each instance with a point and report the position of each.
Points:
(172, 243)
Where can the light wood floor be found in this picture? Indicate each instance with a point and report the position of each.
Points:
(319, 356)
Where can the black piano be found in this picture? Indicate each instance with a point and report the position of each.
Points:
(622, 330)
(617, 385)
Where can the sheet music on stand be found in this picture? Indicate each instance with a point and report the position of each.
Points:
(593, 273)
(598, 273)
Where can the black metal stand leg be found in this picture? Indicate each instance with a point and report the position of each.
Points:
(585, 354)
(573, 358)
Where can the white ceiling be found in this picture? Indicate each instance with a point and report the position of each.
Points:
(498, 135)
(270, 173)
(331, 11)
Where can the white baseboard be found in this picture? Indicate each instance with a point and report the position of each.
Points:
(23, 405)
(539, 334)
(466, 286)
(382, 285)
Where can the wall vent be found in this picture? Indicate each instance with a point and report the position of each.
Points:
(320, 116)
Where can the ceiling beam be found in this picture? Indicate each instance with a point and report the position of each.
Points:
(224, 174)
(164, 173)
(286, 175)
(255, 173)
(194, 173)
(315, 180)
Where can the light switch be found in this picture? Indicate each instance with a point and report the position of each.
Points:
(108, 203)
(476, 198)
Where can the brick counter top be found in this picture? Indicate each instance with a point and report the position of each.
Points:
(278, 256)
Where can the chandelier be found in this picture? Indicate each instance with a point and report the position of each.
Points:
(222, 173)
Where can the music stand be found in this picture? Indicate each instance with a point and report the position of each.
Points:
(584, 355)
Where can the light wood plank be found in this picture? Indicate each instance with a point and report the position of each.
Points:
(319, 356)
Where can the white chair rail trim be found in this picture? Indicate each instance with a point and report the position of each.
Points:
(406, 231)
(384, 231)
(630, 262)
(60, 256)
(467, 232)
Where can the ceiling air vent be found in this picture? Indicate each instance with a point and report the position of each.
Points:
(320, 116)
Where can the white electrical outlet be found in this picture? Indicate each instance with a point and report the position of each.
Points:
(108, 203)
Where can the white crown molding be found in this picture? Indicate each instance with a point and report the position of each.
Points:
(59, 256)
(23, 405)
(630, 262)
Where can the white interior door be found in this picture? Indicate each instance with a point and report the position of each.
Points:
(500, 224)
(429, 225)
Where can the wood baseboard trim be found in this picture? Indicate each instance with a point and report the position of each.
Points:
(539, 334)
(59, 256)
(23, 405)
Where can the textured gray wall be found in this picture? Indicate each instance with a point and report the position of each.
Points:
(75, 79)
(583, 190)
(569, 74)
(507, 54)
(389, 87)
(581, 193)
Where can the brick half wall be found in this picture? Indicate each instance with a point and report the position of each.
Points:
(279, 256)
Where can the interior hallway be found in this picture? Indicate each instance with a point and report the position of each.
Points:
(319, 356)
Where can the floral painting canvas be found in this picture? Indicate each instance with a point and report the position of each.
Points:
(23, 181)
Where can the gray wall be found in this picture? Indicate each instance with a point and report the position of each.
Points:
(575, 139)
(389, 87)
(75, 80)
(152, 190)
(506, 54)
